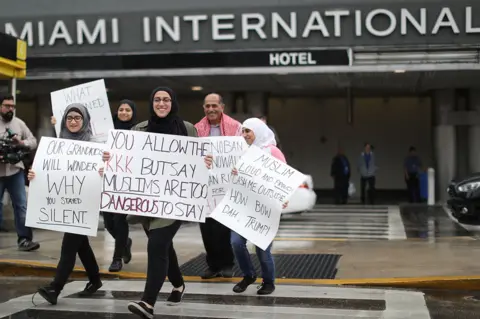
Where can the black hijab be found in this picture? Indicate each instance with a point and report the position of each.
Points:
(121, 125)
(171, 124)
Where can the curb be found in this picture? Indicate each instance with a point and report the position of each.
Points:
(22, 268)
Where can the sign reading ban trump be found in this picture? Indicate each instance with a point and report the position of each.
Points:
(155, 175)
(253, 204)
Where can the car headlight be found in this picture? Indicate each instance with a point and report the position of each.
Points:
(468, 187)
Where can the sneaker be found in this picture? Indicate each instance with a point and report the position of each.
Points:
(49, 294)
(127, 256)
(227, 272)
(90, 289)
(175, 297)
(116, 266)
(243, 285)
(28, 245)
(140, 309)
(266, 289)
(209, 274)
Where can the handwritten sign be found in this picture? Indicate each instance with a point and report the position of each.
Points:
(94, 96)
(226, 151)
(253, 204)
(64, 196)
(156, 175)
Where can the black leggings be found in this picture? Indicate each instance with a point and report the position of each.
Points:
(117, 226)
(162, 259)
(71, 245)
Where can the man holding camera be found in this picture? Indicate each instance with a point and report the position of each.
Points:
(17, 138)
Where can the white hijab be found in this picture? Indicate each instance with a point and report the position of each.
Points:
(264, 136)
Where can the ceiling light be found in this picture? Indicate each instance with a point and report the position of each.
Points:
(197, 88)
(399, 71)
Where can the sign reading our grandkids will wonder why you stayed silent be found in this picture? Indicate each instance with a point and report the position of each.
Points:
(93, 95)
(64, 196)
(155, 175)
(252, 206)
(226, 151)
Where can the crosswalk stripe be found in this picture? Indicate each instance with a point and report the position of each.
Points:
(200, 302)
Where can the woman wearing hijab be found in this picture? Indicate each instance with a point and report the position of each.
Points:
(162, 258)
(75, 126)
(116, 224)
(257, 133)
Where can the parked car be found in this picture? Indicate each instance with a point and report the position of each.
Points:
(304, 198)
(464, 201)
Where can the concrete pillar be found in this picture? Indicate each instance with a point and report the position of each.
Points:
(474, 133)
(44, 113)
(444, 140)
(256, 103)
(462, 136)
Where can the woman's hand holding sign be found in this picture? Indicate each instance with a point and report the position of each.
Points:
(31, 175)
(208, 161)
(106, 156)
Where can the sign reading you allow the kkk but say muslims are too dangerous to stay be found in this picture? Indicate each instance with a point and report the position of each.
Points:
(155, 175)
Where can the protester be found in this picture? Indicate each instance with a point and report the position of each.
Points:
(257, 133)
(116, 224)
(162, 258)
(75, 125)
(216, 237)
(12, 177)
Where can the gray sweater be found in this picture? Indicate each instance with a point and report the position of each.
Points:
(362, 165)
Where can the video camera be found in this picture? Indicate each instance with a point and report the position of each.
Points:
(11, 152)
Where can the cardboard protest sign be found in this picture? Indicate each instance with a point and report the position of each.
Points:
(226, 151)
(156, 175)
(252, 206)
(94, 96)
(64, 196)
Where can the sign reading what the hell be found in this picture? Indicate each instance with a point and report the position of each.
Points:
(253, 204)
(156, 175)
(93, 96)
(65, 193)
(226, 151)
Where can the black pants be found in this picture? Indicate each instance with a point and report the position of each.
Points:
(413, 187)
(162, 260)
(371, 189)
(341, 185)
(71, 245)
(117, 226)
(216, 239)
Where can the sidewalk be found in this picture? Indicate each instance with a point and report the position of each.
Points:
(449, 262)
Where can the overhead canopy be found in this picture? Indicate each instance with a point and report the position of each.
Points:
(13, 56)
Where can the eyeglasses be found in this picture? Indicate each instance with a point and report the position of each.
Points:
(76, 118)
(164, 100)
(11, 106)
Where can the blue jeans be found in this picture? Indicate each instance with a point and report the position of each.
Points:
(15, 184)
(239, 245)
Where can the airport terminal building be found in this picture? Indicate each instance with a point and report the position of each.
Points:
(327, 73)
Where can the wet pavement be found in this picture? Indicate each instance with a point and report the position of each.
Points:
(218, 301)
(372, 242)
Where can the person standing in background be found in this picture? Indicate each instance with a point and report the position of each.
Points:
(412, 167)
(368, 169)
(340, 172)
(12, 176)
